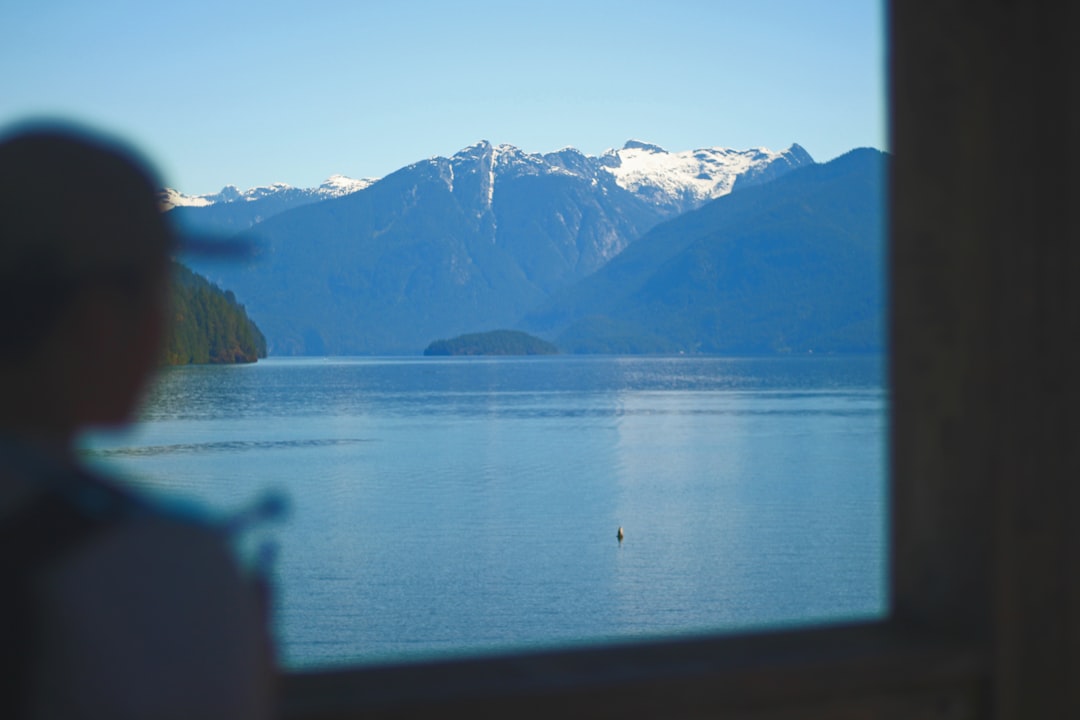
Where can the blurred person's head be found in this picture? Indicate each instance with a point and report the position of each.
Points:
(84, 268)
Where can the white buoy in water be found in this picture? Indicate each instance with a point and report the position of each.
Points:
(619, 534)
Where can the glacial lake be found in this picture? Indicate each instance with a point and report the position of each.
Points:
(462, 506)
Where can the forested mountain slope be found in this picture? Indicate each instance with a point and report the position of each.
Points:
(208, 325)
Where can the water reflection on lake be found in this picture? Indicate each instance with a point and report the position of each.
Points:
(446, 506)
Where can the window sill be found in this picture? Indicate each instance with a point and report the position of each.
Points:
(857, 670)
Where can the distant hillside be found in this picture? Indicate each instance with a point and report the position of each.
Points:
(208, 324)
(795, 265)
(496, 342)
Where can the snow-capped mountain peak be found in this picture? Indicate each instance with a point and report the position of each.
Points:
(674, 182)
(338, 185)
(170, 198)
(670, 182)
(694, 176)
(335, 186)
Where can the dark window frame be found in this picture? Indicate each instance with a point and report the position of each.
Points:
(984, 467)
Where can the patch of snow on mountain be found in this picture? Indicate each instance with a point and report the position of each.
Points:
(492, 157)
(169, 198)
(338, 185)
(335, 186)
(701, 175)
(447, 173)
(258, 193)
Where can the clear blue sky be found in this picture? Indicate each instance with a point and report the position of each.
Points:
(251, 93)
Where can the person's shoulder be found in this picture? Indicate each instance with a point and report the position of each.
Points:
(152, 547)
(154, 613)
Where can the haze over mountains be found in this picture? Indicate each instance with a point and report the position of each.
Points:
(494, 237)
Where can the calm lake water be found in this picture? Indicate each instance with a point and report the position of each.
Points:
(462, 506)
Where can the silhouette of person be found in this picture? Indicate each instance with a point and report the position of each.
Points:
(112, 606)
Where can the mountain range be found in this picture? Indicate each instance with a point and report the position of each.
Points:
(796, 265)
(493, 237)
(233, 210)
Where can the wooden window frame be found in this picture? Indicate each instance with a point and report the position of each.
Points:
(984, 446)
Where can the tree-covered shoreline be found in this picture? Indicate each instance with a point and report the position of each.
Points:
(208, 325)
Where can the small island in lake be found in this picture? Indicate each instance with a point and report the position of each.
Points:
(496, 342)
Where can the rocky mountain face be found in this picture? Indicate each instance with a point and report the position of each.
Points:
(469, 243)
(796, 265)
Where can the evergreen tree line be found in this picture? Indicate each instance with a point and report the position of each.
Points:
(208, 324)
(496, 342)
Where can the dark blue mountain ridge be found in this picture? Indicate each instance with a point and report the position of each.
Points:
(795, 265)
(440, 248)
